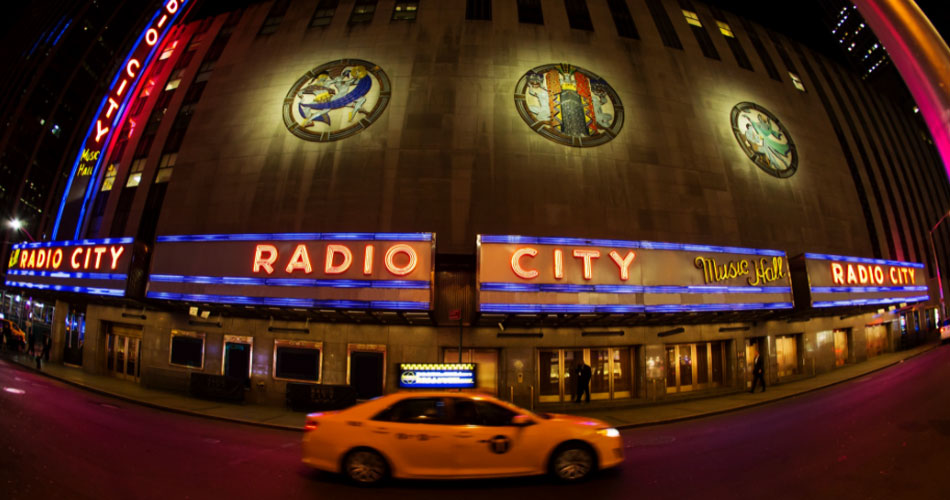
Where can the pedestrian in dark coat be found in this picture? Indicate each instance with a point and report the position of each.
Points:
(583, 382)
(758, 372)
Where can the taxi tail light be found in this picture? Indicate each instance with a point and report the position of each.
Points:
(312, 424)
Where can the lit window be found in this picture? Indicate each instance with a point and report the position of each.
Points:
(692, 18)
(725, 29)
(796, 81)
(109, 178)
(405, 10)
(135, 172)
(324, 13)
(166, 165)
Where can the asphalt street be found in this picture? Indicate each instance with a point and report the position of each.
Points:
(885, 435)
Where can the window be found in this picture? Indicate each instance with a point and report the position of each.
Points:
(699, 32)
(297, 360)
(135, 172)
(692, 18)
(165, 166)
(622, 19)
(578, 15)
(726, 31)
(174, 80)
(760, 49)
(664, 25)
(363, 11)
(478, 10)
(405, 11)
(471, 412)
(187, 349)
(796, 81)
(204, 72)
(786, 353)
(324, 13)
(529, 11)
(109, 178)
(692, 367)
(274, 17)
(415, 411)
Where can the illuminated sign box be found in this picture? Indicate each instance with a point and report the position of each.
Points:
(518, 274)
(437, 376)
(97, 267)
(839, 281)
(387, 271)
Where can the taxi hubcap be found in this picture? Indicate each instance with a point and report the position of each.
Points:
(365, 467)
(573, 464)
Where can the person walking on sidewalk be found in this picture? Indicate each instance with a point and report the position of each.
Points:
(583, 375)
(758, 371)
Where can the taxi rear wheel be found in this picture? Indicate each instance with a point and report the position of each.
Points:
(365, 466)
(572, 462)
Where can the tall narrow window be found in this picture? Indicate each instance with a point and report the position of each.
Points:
(405, 10)
(578, 15)
(796, 81)
(529, 11)
(478, 10)
(323, 15)
(760, 49)
(664, 25)
(726, 31)
(274, 17)
(363, 11)
(622, 19)
(699, 31)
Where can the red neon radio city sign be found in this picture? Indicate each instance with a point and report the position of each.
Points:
(398, 259)
(871, 274)
(113, 110)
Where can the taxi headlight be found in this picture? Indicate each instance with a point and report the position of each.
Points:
(611, 432)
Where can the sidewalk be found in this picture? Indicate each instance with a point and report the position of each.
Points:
(283, 418)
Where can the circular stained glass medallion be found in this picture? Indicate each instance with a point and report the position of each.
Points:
(569, 105)
(764, 139)
(336, 100)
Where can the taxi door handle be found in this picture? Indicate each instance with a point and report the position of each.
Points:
(381, 430)
(464, 435)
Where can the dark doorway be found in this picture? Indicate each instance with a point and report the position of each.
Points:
(237, 360)
(366, 373)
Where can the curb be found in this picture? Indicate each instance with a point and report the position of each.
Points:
(148, 404)
(256, 423)
(770, 401)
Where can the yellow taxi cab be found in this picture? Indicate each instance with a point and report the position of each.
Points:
(452, 435)
(14, 329)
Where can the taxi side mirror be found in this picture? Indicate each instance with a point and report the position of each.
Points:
(521, 421)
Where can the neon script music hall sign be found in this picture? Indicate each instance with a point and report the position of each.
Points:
(399, 259)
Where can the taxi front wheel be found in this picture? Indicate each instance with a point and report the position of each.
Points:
(365, 467)
(572, 462)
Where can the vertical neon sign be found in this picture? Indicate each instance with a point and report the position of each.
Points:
(112, 112)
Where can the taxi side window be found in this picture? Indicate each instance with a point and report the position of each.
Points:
(471, 412)
(415, 411)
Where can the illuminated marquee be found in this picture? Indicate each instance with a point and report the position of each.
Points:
(518, 274)
(112, 111)
(98, 267)
(835, 281)
(306, 270)
(437, 376)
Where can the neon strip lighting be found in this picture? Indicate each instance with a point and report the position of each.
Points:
(112, 292)
(868, 302)
(242, 281)
(47, 244)
(293, 302)
(567, 288)
(298, 237)
(60, 35)
(861, 260)
(867, 289)
(652, 245)
(57, 274)
(628, 308)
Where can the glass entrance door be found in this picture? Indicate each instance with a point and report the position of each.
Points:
(122, 356)
(611, 373)
(842, 339)
(695, 366)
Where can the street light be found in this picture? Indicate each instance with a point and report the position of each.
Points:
(933, 250)
(17, 225)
